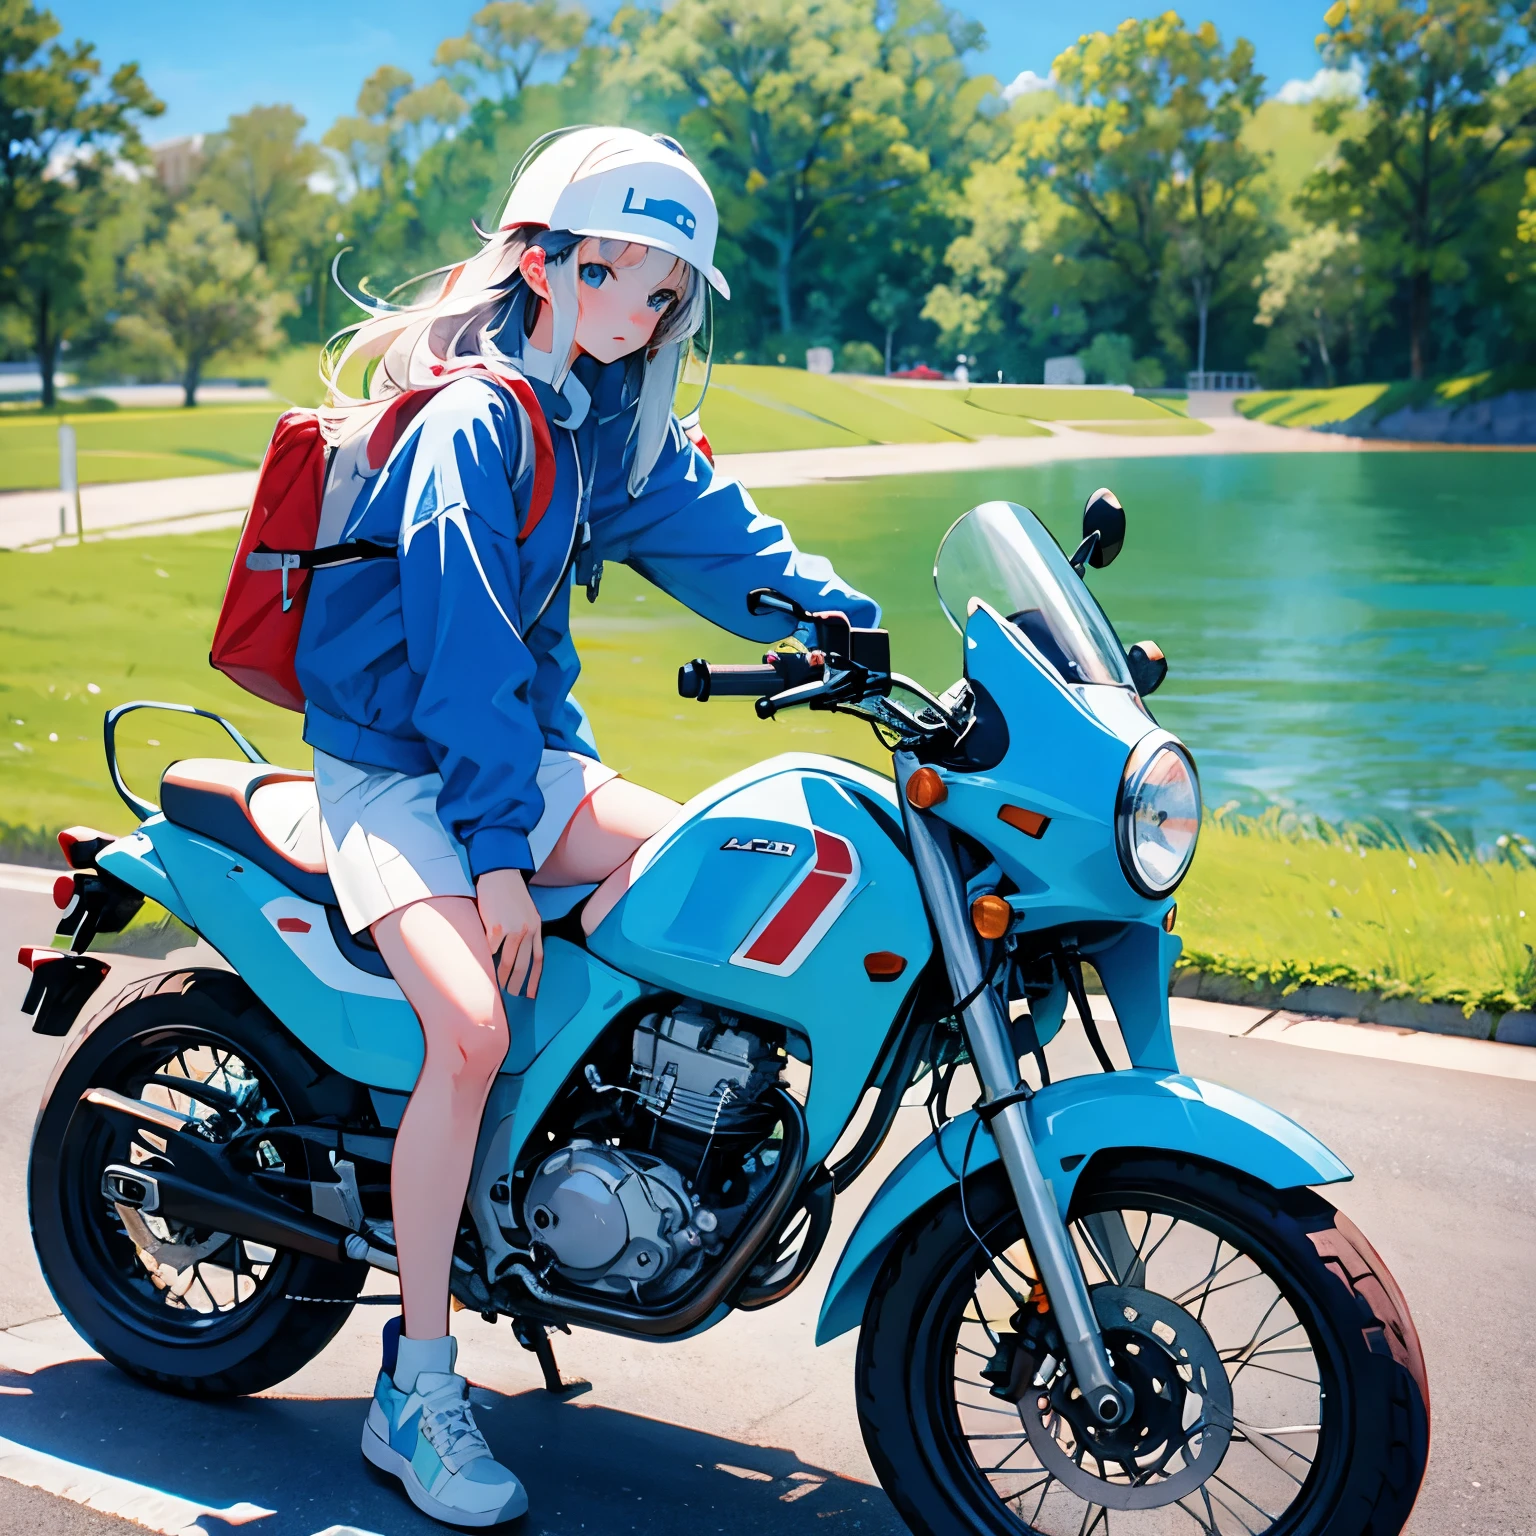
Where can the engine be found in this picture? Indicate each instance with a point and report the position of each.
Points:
(669, 1161)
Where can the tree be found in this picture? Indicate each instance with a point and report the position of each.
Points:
(889, 307)
(1448, 115)
(1145, 149)
(396, 120)
(259, 171)
(506, 41)
(61, 132)
(202, 291)
(799, 106)
(1312, 295)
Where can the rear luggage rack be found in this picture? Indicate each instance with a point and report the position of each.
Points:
(140, 807)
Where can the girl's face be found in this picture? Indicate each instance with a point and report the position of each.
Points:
(623, 290)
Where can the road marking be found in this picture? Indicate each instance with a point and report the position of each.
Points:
(167, 1513)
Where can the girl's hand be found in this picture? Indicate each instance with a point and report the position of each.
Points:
(513, 929)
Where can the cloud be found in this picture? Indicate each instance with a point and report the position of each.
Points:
(1324, 85)
(1026, 83)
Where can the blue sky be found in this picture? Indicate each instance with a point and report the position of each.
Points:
(222, 56)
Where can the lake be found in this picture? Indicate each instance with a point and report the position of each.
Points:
(1348, 634)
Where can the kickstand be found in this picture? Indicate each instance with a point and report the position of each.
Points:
(534, 1337)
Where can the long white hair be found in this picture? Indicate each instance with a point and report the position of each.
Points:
(466, 311)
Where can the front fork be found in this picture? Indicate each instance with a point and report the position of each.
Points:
(990, 1041)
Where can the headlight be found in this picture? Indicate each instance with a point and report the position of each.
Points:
(1158, 818)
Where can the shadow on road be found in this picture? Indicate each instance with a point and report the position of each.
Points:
(587, 1468)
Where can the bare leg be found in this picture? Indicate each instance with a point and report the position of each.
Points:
(601, 840)
(437, 951)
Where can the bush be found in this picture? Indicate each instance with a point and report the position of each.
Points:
(1110, 359)
(859, 357)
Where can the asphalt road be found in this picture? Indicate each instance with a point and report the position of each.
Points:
(749, 1428)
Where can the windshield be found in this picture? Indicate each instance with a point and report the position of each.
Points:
(1003, 554)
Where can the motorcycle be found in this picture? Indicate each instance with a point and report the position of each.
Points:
(1115, 1294)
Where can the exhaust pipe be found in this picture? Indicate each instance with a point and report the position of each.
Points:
(203, 1190)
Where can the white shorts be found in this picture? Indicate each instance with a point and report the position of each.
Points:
(386, 846)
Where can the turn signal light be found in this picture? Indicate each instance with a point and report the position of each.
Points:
(991, 916)
(1030, 823)
(63, 891)
(925, 789)
(1170, 917)
(882, 965)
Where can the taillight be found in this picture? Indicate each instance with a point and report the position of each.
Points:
(63, 891)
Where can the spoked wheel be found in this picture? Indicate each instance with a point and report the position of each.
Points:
(1278, 1382)
(193, 1310)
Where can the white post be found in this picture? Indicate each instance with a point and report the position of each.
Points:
(69, 477)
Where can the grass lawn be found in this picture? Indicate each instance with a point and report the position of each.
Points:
(1320, 407)
(87, 627)
(135, 444)
(749, 410)
(1310, 407)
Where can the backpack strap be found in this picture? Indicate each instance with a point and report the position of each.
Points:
(263, 559)
(403, 409)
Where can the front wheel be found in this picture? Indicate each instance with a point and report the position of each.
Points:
(1278, 1379)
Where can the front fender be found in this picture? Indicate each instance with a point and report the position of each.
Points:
(1069, 1122)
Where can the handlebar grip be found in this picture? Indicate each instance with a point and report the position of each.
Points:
(699, 680)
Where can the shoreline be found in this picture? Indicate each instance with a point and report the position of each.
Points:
(195, 503)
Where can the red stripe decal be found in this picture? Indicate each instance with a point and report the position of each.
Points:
(790, 924)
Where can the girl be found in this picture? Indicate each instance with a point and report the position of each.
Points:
(453, 766)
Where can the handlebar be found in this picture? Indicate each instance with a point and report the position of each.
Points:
(700, 680)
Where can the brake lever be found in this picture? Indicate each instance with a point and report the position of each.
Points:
(805, 693)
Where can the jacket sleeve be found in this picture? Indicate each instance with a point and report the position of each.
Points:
(460, 584)
(700, 537)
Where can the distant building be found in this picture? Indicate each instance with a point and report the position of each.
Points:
(177, 162)
(1065, 370)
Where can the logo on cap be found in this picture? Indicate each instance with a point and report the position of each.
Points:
(664, 209)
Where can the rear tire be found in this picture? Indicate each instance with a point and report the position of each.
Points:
(1367, 1375)
(245, 1321)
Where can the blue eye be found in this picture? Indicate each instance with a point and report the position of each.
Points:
(594, 274)
(661, 299)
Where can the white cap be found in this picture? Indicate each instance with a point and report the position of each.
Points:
(620, 184)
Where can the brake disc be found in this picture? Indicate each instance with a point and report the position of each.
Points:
(163, 1257)
(1179, 1428)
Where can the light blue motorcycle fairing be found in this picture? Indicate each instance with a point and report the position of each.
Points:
(1069, 1122)
(764, 848)
(356, 1022)
(1068, 744)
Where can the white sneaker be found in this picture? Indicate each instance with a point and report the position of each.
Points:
(428, 1438)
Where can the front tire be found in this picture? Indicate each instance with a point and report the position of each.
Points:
(197, 1313)
(1310, 1328)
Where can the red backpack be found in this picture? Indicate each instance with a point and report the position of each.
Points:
(257, 634)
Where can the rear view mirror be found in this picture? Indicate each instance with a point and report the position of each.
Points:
(1103, 515)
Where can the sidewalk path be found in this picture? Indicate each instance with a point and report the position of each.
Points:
(31, 518)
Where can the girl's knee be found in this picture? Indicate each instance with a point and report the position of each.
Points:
(469, 1036)
(484, 1046)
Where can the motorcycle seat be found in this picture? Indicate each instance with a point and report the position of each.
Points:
(271, 816)
(267, 814)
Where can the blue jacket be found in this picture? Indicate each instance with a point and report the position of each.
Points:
(457, 658)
